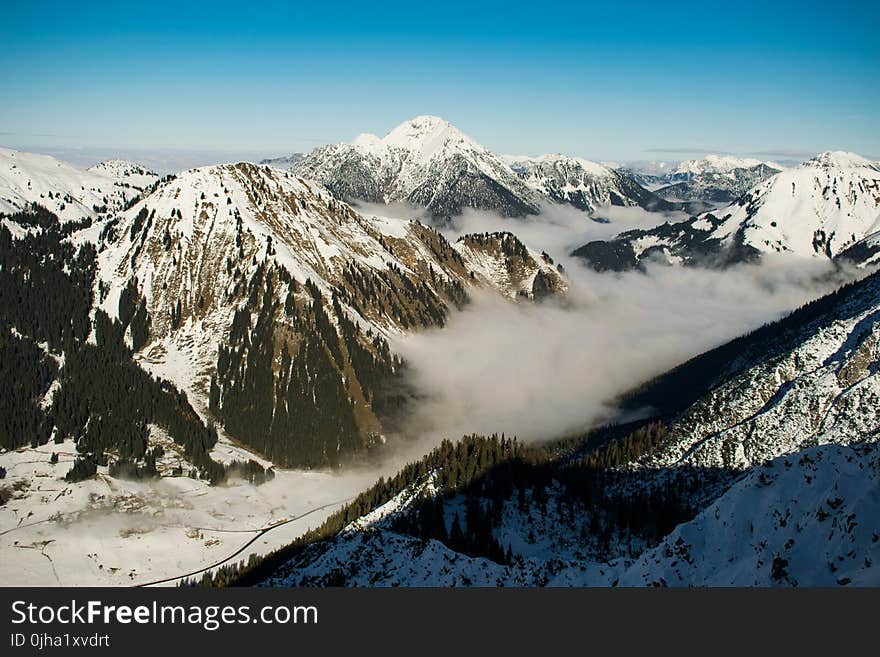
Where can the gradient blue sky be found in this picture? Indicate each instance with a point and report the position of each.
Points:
(623, 81)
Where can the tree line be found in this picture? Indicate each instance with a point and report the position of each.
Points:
(487, 475)
(103, 400)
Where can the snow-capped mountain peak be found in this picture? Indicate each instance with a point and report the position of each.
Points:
(840, 159)
(821, 209)
(421, 140)
(125, 172)
(69, 192)
(428, 162)
(714, 180)
(559, 160)
(368, 142)
(720, 163)
(117, 166)
(428, 136)
(818, 209)
(425, 161)
(582, 183)
(198, 249)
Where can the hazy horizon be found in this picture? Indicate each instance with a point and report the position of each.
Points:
(171, 160)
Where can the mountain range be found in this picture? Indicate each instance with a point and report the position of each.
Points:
(821, 209)
(759, 467)
(153, 326)
(243, 283)
(69, 192)
(428, 163)
(586, 185)
(715, 180)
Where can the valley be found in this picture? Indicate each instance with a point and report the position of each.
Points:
(208, 371)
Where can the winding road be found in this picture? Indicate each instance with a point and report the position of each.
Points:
(259, 533)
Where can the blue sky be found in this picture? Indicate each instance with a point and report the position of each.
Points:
(625, 81)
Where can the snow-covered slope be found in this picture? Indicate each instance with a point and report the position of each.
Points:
(649, 174)
(425, 161)
(586, 185)
(248, 246)
(194, 226)
(108, 531)
(716, 179)
(793, 387)
(127, 173)
(864, 253)
(774, 469)
(297, 291)
(816, 210)
(807, 519)
(69, 192)
(429, 163)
